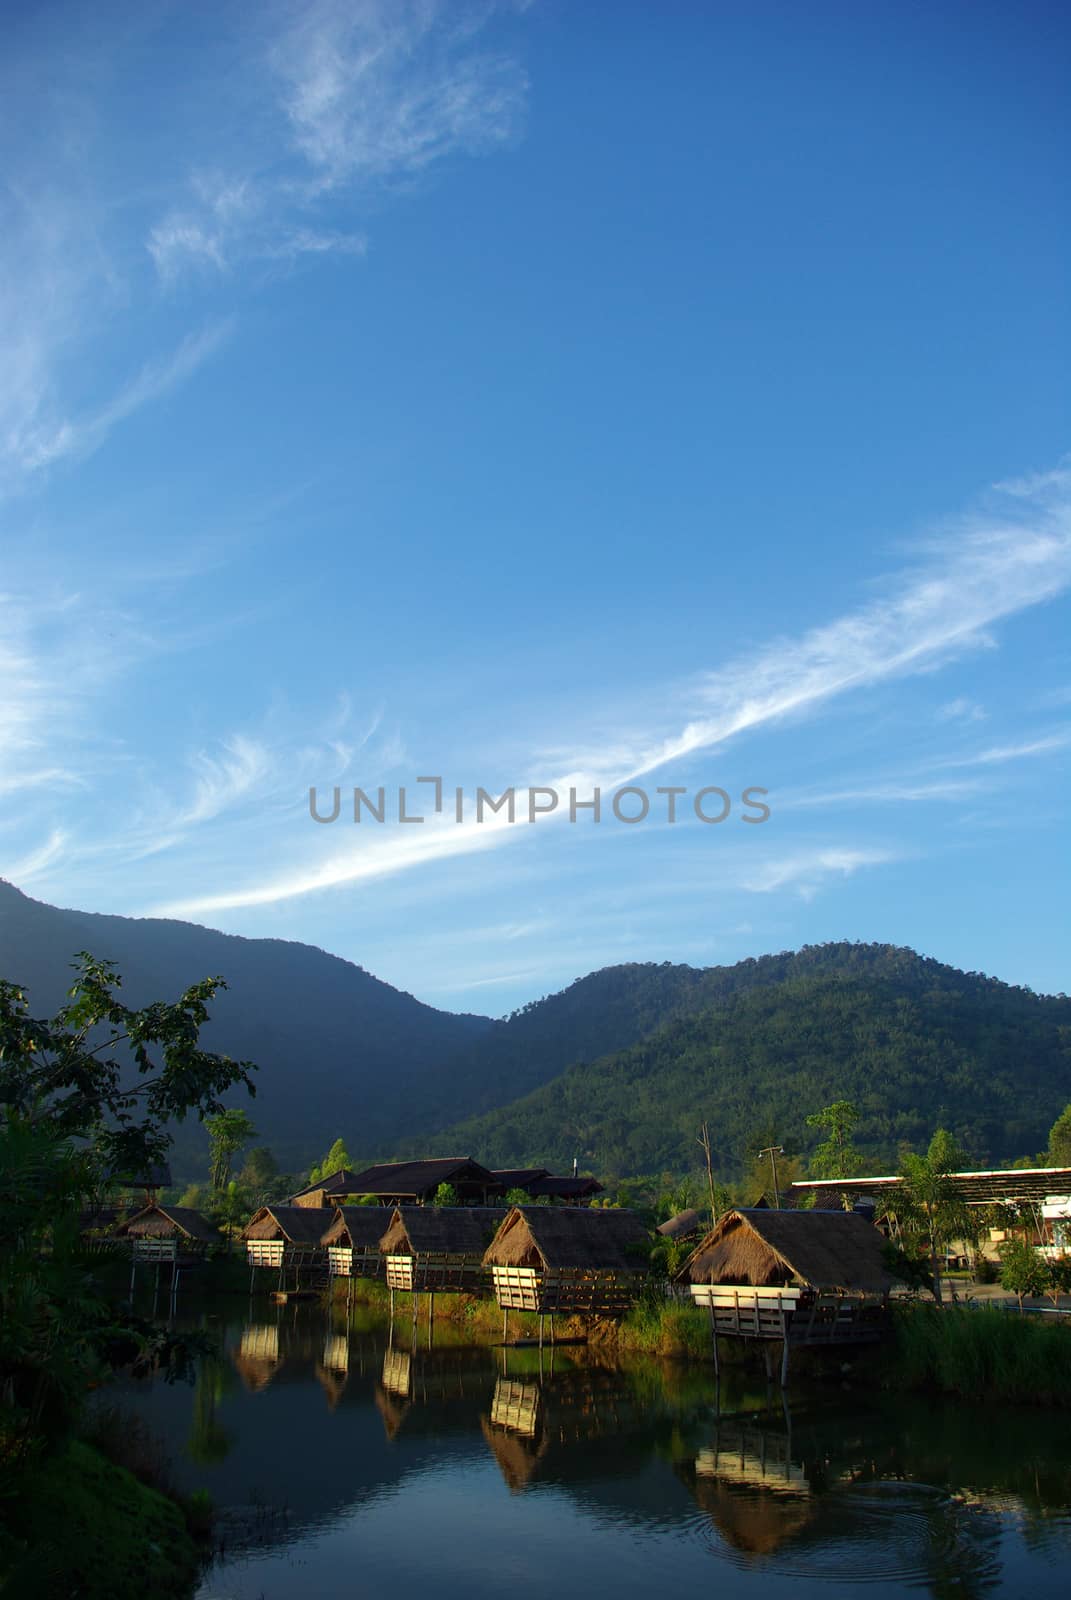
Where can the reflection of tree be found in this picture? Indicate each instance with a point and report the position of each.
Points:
(209, 1442)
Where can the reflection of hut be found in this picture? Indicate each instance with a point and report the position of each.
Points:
(755, 1519)
(285, 1237)
(191, 1232)
(438, 1249)
(568, 1259)
(257, 1358)
(518, 1455)
(807, 1277)
(397, 1372)
(516, 1406)
(352, 1242)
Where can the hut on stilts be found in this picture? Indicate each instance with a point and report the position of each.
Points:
(175, 1236)
(352, 1242)
(287, 1240)
(572, 1260)
(800, 1278)
(437, 1250)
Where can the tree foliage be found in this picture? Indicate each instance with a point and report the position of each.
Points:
(83, 1097)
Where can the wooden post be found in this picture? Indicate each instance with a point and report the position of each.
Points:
(431, 1315)
(541, 1330)
(133, 1270)
(784, 1364)
(714, 1337)
(768, 1362)
(505, 1318)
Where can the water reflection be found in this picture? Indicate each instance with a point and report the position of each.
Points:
(314, 1437)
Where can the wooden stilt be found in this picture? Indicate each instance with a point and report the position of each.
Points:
(714, 1339)
(784, 1365)
(541, 1330)
(505, 1319)
(768, 1362)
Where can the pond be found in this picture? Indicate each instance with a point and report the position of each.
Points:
(344, 1464)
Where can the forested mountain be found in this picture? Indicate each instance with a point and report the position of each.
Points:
(913, 1043)
(336, 1048)
(624, 1063)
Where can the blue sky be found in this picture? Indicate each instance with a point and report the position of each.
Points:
(550, 394)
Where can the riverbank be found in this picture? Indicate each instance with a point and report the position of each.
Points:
(982, 1352)
(952, 1350)
(80, 1525)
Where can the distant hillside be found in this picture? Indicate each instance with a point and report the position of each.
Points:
(336, 1048)
(912, 1042)
(624, 1063)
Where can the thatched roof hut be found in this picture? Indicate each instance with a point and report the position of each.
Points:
(438, 1248)
(361, 1227)
(352, 1242)
(818, 1250)
(299, 1225)
(189, 1227)
(547, 1258)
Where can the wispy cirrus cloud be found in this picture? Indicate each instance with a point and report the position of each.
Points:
(357, 97)
(991, 567)
(341, 99)
(81, 436)
(804, 871)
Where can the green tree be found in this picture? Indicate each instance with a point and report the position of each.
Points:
(145, 1069)
(836, 1156)
(84, 1096)
(925, 1204)
(1022, 1270)
(227, 1131)
(446, 1195)
(334, 1161)
(1060, 1140)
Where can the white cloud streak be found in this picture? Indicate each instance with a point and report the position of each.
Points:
(363, 95)
(990, 570)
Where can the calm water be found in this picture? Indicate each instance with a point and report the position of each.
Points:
(344, 1467)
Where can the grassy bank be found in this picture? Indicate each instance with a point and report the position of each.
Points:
(654, 1327)
(990, 1353)
(81, 1526)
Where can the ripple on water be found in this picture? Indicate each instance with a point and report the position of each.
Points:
(884, 1532)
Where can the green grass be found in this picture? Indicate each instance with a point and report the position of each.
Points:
(82, 1527)
(988, 1353)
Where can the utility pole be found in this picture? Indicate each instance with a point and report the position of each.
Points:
(704, 1140)
(773, 1151)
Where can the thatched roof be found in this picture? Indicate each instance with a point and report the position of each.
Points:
(678, 1227)
(813, 1249)
(359, 1226)
(441, 1230)
(419, 1179)
(295, 1224)
(569, 1236)
(164, 1222)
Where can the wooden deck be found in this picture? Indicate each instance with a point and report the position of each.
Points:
(566, 1290)
(792, 1316)
(436, 1274)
